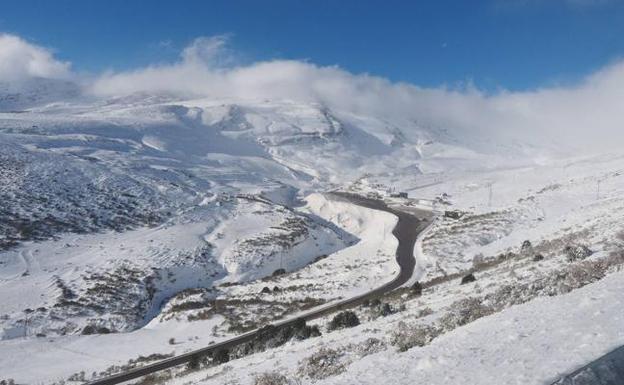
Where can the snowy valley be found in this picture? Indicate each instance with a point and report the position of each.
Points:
(140, 227)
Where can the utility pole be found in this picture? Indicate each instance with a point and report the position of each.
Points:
(490, 194)
(598, 189)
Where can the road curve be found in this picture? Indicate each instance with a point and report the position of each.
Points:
(406, 231)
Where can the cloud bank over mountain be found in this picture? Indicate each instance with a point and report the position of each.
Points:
(586, 114)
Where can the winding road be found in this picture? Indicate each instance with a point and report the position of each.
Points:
(406, 231)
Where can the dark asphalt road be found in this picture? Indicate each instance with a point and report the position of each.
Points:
(406, 231)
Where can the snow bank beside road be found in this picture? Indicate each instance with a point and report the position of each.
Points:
(377, 245)
(369, 262)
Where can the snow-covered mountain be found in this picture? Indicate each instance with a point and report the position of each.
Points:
(125, 220)
(194, 192)
(30, 92)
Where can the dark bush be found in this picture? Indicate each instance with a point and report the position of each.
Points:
(538, 257)
(527, 247)
(265, 290)
(468, 278)
(279, 272)
(416, 289)
(194, 362)
(383, 310)
(344, 319)
(386, 310)
(271, 336)
(320, 257)
(221, 356)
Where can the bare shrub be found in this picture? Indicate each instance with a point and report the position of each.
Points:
(407, 336)
(274, 378)
(577, 252)
(615, 259)
(424, 312)
(579, 275)
(559, 282)
(156, 379)
(80, 376)
(322, 364)
(151, 357)
(369, 346)
(464, 311)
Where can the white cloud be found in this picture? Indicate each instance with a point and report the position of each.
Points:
(22, 60)
(586, 114)
(209, 51)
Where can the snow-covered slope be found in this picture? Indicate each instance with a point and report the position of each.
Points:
(21, 95)
(133, 217)
(91, 164)
(111, 206)
(535, 312)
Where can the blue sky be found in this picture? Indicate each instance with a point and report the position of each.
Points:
(516, 44)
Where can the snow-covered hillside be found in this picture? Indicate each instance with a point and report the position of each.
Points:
(156, 223)
(547, 254)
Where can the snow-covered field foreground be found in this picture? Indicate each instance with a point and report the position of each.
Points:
(154, 225)
(532, 343)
